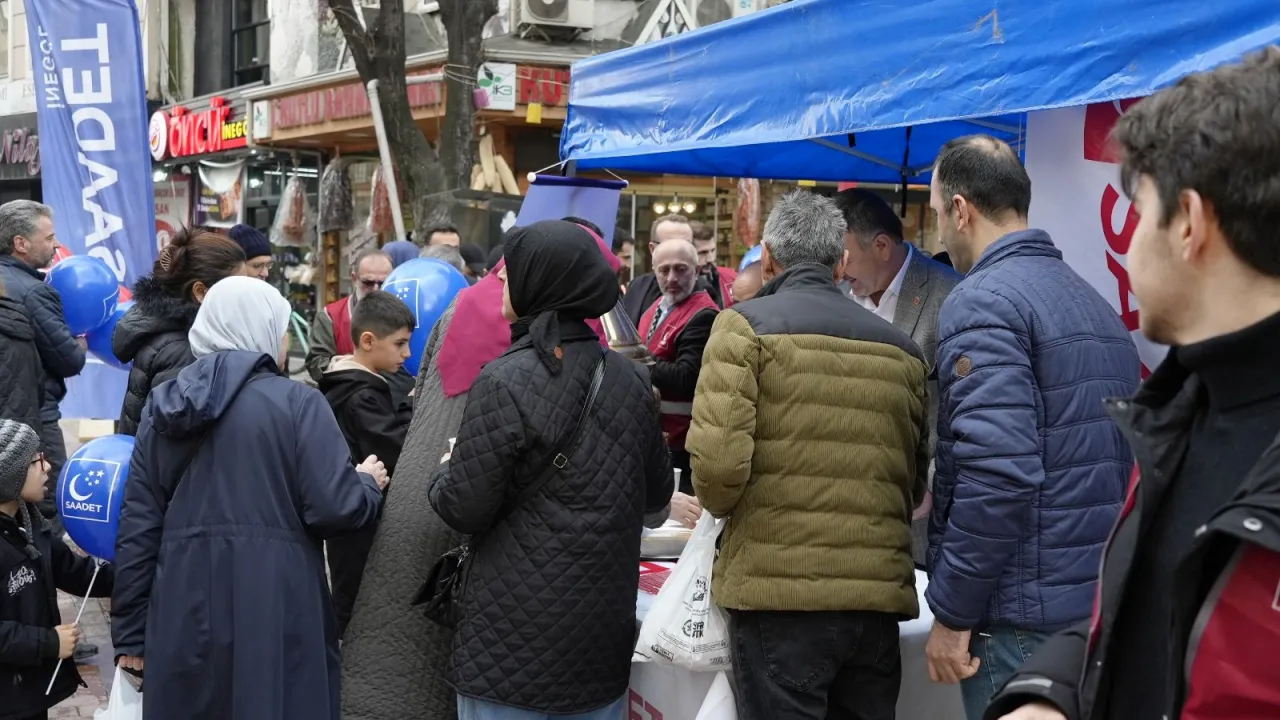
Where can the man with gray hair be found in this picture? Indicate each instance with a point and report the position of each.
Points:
(810, 435)
(27, 246)
(447, 253)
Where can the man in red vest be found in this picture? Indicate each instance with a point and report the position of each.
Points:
(331, 330)
(675, 329)
(720, 279)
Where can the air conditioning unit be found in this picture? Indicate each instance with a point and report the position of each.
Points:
(579, 14)
(709, 12)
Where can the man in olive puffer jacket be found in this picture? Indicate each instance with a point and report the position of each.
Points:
(810, 433)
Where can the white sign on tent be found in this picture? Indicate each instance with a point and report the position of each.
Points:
(1077, 198)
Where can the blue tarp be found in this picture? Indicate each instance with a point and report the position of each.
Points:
(827, 89)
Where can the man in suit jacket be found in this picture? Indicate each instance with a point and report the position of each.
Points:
(898, 283)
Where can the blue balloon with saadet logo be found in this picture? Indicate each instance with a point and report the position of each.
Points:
(91, 491)
(99, 340)
(427, 286)
(89, 292)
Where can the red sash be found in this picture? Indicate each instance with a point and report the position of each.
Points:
(340, 313)
(727, 277)
(677, 409)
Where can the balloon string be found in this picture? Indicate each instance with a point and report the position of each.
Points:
(97, 565)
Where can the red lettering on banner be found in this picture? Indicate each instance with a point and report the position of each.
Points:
(197, 132)
(1117, 241)
(1128, 314)
(343, 103)
(639, 709)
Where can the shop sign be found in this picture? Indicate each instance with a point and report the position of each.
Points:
(180, 132)
(345, 102)
(21, 147)
(498, 80)
(546, 86)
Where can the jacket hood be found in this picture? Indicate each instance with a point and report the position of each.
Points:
(154, 312)
(202, 392)
(14, 323)
(1023, 243)
(346, 377)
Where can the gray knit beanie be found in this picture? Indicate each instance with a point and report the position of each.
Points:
(18, 445)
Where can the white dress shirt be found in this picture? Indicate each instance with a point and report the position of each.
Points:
(889, 299)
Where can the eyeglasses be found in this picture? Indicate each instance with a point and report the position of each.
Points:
(44, 464)
(371, 284)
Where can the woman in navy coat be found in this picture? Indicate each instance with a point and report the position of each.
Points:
(237, 477)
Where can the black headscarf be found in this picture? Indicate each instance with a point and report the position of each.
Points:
(557, 279)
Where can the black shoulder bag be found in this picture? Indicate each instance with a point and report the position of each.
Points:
(441, 593)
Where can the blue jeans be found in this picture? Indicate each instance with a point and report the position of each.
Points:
(1002, 651)
(473, 709)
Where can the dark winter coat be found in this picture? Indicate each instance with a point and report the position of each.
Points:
(221, 580)
(549, 602)
(60, 354)
(29, 612)
(21, 377)
(153, 336)
(364, 404)
(1030, 470)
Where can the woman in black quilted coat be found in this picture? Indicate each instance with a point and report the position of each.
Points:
(153, 333)
(548, 621)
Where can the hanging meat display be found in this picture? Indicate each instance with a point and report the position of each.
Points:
(746, 219)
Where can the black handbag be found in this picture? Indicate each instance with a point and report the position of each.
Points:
(440, 595)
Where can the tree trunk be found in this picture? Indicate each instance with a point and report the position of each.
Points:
(379, 54)
(464, 22)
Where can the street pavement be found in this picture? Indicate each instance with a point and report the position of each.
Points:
(97, 672)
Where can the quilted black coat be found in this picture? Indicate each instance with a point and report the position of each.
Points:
(21, 376)
(153, 336)
(61, 355)
(549, 602)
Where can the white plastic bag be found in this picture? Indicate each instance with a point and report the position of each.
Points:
(684, 627)
(125, 704)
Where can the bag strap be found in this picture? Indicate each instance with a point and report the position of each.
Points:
(561, 459)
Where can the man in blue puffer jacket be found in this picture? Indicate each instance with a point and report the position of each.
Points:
(1030, 469)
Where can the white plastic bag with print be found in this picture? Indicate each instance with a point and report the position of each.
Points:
(684, 626)
(126, 702)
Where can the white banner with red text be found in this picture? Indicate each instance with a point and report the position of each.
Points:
(1076, 196)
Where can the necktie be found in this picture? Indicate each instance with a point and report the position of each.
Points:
(653, 326)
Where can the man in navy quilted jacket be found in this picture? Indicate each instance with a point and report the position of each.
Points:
(1030, 469)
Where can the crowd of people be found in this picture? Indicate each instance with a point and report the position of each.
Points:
(856, 410)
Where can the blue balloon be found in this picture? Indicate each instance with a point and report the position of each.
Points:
(99, 340)
(91, 490)
(427, 286)
(752, 257)
(89, 292)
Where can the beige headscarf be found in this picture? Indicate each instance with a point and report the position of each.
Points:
(240, 313)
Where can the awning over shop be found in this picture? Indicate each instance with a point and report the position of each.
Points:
(870, 90)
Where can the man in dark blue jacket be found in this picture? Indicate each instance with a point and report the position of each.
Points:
(1030, 469)
(27, 244)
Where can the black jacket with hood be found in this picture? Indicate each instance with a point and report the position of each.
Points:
(61, 355)
(364, 402)
(21, 375)
(29, 612)
(153, 336)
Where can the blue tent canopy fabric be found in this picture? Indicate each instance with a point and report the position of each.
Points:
(867, 90)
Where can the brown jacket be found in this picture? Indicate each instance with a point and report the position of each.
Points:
(810, 433)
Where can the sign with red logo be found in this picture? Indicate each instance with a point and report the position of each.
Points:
(180, 132)
(1073, 168)
(548, 86)
(344, 103)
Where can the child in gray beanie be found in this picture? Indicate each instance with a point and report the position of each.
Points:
(33, 564)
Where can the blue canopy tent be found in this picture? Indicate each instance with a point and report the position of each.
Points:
(869, 90)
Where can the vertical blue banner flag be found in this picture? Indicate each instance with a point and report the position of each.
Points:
(91, 102)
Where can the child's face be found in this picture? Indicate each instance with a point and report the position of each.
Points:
(386, 354)
(33, 490)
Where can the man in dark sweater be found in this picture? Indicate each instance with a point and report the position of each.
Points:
(1185, 625)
